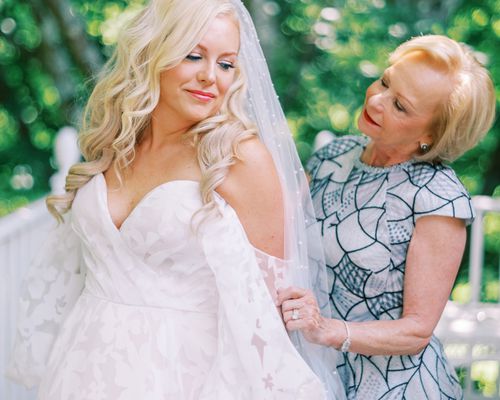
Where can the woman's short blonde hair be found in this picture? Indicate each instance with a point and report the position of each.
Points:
(469, 111)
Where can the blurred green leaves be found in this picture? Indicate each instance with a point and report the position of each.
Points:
(323, 55)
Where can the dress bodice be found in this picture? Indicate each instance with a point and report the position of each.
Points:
(155, 258)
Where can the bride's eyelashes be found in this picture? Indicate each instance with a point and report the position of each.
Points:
(224, 65)
(193, 57)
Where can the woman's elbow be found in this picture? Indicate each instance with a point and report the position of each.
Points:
(420, 343)
(419, 335)
(420, 338)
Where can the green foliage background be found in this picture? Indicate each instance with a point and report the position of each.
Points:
(322, 53)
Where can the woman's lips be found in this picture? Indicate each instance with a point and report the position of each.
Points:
(202, 96)
(368, 118)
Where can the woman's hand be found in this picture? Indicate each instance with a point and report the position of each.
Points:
(301, 312)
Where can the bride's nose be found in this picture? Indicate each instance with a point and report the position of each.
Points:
(206, 74)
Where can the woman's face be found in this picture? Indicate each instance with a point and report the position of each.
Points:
(195, 89)
(400, 107)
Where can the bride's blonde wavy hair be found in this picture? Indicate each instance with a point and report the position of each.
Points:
(128, 90)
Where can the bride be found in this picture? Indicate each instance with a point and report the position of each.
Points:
(177, 229)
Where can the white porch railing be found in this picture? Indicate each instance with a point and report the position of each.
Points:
(21, 235)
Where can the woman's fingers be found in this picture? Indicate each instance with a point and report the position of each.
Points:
(290, 293)
(288, 305)
(306, 299)
(300, 313)
(303, 323)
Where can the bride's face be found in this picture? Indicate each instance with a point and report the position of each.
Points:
(195, 89)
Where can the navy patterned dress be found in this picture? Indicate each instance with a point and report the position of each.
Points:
(367, 216)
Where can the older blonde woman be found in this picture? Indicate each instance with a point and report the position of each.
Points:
(160, 282)
(393, 220)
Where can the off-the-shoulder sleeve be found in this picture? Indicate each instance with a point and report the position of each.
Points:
(52, 285)
(440, 193)
(255, 357)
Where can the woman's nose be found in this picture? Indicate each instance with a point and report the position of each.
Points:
(377, 101)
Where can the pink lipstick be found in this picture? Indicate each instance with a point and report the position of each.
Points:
(201, 95)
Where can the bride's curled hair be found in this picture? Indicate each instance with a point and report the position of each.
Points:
(128, 90)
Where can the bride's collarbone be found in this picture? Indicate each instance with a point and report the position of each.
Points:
(137, 183)
(133, 188)
(145, 174)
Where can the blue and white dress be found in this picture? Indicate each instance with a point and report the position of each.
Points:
(367, 216)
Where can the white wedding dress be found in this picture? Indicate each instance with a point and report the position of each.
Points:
(154, 311)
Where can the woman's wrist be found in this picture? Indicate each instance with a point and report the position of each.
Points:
(334, 333)
(346, 344)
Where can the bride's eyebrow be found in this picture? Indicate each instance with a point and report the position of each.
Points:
(226, 53)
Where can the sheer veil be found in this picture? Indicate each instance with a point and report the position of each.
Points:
(303, 247)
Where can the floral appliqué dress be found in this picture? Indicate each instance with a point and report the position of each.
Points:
(153, 311)
(367, 216)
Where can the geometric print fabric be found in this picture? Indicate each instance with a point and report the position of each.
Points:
(367, 216)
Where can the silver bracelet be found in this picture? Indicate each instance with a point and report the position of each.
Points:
(347, 342)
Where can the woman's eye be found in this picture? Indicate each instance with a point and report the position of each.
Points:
(193, 57)
(398, 106)
(226, 66)
(383, 83)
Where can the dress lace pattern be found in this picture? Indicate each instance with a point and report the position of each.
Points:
(367, 216)
(153, 310)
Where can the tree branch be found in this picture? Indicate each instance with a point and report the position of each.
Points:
(84, 53)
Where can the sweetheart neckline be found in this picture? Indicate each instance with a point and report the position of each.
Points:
(104, 199)
(143, 198)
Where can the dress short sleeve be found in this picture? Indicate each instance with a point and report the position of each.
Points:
(53, 284)
(440, 193)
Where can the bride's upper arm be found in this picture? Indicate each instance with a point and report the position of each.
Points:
(253, 190)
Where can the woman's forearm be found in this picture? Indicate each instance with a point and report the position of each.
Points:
(395, 337)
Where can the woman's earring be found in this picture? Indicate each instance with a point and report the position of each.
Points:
(424, 147)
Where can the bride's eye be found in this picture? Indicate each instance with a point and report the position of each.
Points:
(193, 57)
(226, 66)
